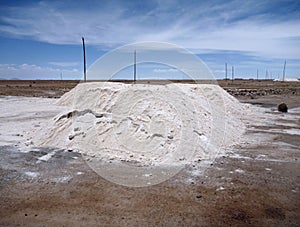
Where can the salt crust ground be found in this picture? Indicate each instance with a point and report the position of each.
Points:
(139, 123)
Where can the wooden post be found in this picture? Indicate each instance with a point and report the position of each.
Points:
(283, 76)
(232, 73)
(225, 71)
(257, 74)
(84, 59)
(134, 73)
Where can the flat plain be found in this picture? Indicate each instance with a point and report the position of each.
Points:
(254, 184)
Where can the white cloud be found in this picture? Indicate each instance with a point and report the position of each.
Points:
(27, 71)
(198, 26)
(165, 70)
(64, 64)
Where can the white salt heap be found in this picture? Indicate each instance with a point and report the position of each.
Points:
(147, 124)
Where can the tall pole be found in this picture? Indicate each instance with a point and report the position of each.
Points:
(134, 74)
(84, 60)
(232, 72)
(283, 76)
(257, 74)
(226, 71)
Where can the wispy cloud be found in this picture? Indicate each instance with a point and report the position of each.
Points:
(29, 71)
(165, 70)
(64, 64)
(266, 29)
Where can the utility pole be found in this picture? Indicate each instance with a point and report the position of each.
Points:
(134, 73)
(257, 74)
(283, 76)
(225, 71)
(84, 59)
(232, 72)
(60, 75)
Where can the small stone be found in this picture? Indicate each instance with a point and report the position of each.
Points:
(199, 196)
(282, 108)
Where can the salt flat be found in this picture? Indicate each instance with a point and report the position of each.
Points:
(255, 181)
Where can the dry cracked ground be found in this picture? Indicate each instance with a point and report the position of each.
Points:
(254, 184)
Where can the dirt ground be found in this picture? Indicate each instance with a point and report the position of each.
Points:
(255, 184)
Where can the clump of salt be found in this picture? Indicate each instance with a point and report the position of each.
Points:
(147, 124)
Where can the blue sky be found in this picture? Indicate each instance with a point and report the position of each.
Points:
(42, 39)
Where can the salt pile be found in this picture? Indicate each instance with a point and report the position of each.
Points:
(147, 124)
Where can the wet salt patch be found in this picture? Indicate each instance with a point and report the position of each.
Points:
(268, 169)
(290, 131)
(281, 124)
(190, 180)
(25, 150)
(261, 155)
(261, 158)
(196, 172)
(203, 138)
(280, 143)
(46, 157)
(28, 149)
(294, 110)
(62, 179)
(276, 160)
(220, 188)
(32, 174)
(239, 171)
(238, 156)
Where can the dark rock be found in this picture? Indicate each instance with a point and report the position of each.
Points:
(282, 107)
